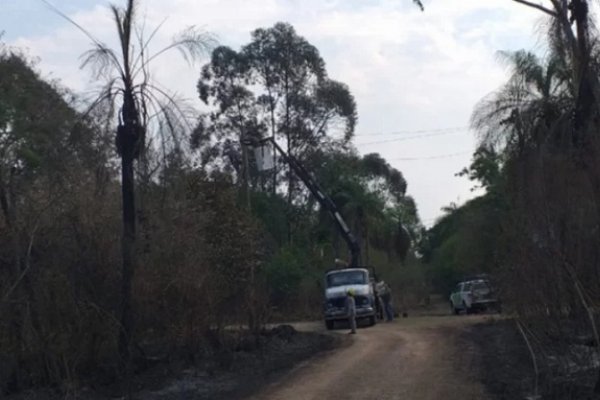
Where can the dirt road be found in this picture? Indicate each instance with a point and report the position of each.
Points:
(410, 359)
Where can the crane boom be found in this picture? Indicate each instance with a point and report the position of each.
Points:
(323, 199)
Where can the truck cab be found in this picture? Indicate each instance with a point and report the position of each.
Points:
(337, 284)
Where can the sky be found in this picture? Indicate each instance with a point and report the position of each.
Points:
(416, 76)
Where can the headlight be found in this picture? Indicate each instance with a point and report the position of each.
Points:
(363, 301)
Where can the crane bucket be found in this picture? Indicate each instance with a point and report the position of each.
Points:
(263, 153)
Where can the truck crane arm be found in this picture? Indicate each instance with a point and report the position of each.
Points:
(323, 199)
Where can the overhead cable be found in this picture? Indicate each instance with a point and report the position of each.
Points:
(437, 157)
(409, 138)
(414, 132)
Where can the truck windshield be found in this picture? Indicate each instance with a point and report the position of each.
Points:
(346, 278)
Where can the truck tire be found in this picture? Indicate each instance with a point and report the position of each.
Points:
(453, 309)
(468, 310)
(372, 321)
(329, 324)
(498, 308)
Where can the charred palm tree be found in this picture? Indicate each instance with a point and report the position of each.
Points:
(130, 97)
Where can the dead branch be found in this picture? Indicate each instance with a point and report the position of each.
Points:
(538, 7)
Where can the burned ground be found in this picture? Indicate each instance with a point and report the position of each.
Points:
(503, 363)
(236, 372)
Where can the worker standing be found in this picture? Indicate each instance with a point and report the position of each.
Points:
(387, 303)
(351, 310)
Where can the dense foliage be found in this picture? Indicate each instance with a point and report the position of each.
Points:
(87, 290)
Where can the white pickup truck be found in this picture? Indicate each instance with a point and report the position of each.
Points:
(337, 284)
(474, 295)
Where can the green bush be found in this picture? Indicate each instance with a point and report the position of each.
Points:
(284, 274)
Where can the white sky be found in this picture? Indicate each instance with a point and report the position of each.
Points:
(410, 72)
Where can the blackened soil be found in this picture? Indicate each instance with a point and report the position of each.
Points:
(503, 363)
(241, 373)
(233, 373)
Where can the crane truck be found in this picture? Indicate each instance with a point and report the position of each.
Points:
(347, 276)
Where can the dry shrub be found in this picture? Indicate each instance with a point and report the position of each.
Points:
(57, 315)
(199, 268)
(551, 257)
(200, 260)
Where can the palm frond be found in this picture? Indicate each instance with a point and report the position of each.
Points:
(144, 43)
(102, 106)
(177, 104)
(118, 17)
(107, 93)
(167, 122)
(192, 42)
(118, 20)
(102, 60)
(127, 22)
(419, 4)
(69, 19)
(526, 67)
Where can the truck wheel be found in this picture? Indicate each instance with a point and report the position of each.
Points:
(454, 310)
(329, 324)
(467, 309)
(372, 321)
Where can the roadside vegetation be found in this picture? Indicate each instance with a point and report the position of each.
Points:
(136, 230)
(535, 230)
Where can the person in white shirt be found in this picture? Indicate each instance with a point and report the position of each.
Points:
(351, 310)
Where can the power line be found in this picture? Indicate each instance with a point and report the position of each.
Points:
(409, 138)
(441, 156)
(414, 132)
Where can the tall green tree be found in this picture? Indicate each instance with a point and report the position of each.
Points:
(276, 85)
(466, 239)
(371, 195)
(301, 104)
(224, 84)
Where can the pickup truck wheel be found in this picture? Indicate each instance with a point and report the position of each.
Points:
(467, 309)
(372, 321)
(498, 308)
(454, 310)
(329, 324)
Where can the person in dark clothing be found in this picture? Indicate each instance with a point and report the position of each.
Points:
(386, 297)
